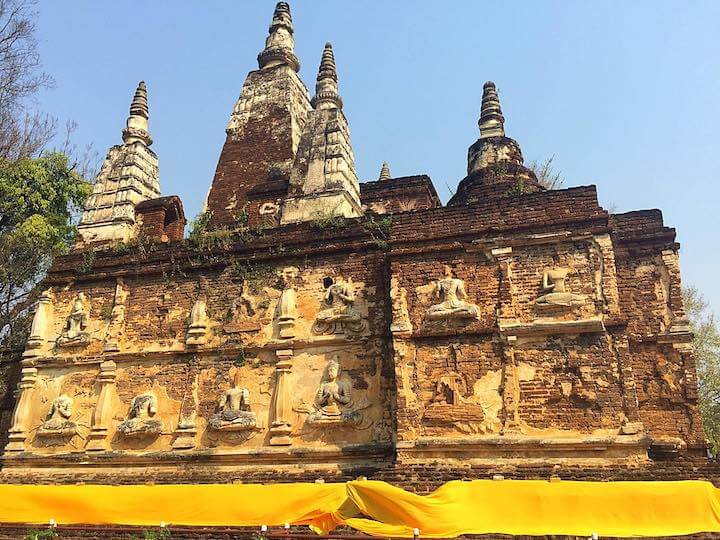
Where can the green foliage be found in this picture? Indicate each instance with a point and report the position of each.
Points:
(39, 198)
(379, 228)
(329, 222)
(256, 275)
(518, 188)
(546, 174)
(88, 262)
(707, 356)
(35, 534)
(162, 534)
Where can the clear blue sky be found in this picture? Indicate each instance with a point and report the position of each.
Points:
(625, 95)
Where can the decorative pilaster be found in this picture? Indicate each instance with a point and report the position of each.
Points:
(287, 306)
(281, 427)
(97, 439)
(42, 320)
(21, 414)
(511, 387)
(128, 176)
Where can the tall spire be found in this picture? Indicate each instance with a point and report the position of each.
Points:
(137, 122)
(326, 88)
(384, 172)
(280, 44)
(491, 121)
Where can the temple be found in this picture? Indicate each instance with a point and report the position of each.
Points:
(318, 327)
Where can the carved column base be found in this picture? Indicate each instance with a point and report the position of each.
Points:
(286, 328)
(184, 438)
(17, 442)
(280, 435)
(97, 440)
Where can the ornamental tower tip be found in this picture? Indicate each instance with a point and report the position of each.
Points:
(326, 87)
(384, 172)
(492, 122)
(280, 44)
(137, 122)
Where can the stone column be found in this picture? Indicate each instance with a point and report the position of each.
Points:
(97, 439)
(18, 431)
(281, 427)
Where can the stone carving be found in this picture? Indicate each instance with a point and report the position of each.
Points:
(558, 295)
(287, 306)
(140, 421)
(40, 324)
(400, 317)
(234, 413)
(74, 333)
(241, 312)
(199, 322)
(340, 317)
(21, 415)
(334, 404)
(58, 421)
(117, 319)
(97, 438)
(451, 293)
(281, 427)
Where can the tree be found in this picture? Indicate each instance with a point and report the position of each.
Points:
(39, 198)
(707, 356)
(23, 130)
(547, 177)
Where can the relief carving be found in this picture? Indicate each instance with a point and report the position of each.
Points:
(140, 421)
(234, 413)
(117, 319)
(400, 316)
(58, 421)
(451, 293)
(556, 290)
(74, 332)
(340, 317)
(334, 404)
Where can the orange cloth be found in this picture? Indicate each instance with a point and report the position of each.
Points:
(528, 507)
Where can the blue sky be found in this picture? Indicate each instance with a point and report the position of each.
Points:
(625, 95)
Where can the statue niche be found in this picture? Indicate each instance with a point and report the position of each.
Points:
(74, 332)
(334, 405)
(400, 315)
(140, 421)
(234, 413)
(340, 317)
(451, 293)
(58, 423)
(558, 293)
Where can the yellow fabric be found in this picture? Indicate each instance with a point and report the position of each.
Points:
(528, 507)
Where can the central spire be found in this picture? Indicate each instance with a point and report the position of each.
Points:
(280, 44)
(137, 122)
(326, 88)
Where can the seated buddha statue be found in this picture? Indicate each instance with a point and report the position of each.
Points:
(140, 421)
(234, 413)
(333, 401)
(340, 316)
(558, 293)
(451, 293)
(74, 332)
(58, 419)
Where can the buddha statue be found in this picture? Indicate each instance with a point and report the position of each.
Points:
(234, 413)
(58, 421)
(140, 421)
(451, 293)
(74, 332)
(340, 317)
(334, 404)
(558, 295)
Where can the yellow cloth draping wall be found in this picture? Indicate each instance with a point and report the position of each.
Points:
(529, 507)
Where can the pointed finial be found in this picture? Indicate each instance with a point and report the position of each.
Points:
(384, 172)
(491, 121)
(280, 44)
(137, 122)
(326, 88)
